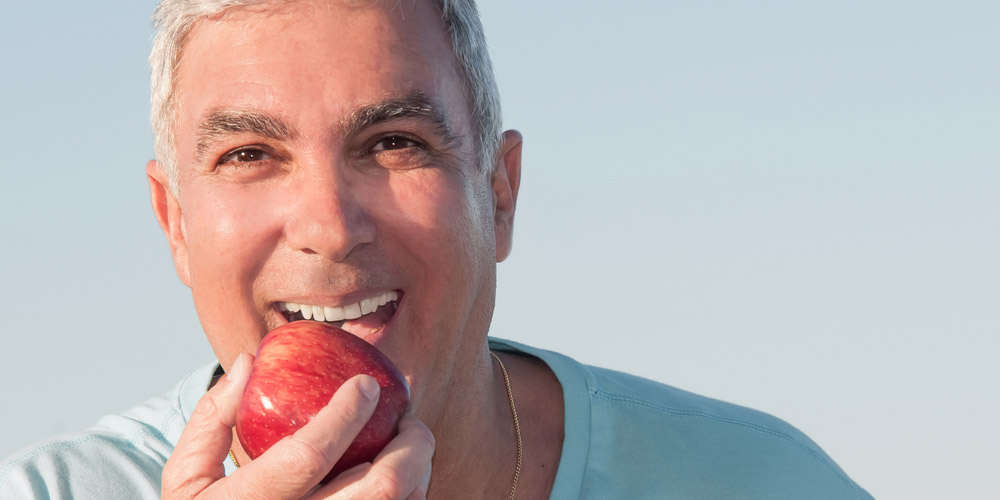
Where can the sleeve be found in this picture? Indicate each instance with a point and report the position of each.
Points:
(82, 467)
(121, 457)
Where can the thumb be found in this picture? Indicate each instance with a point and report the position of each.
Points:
(197, 461)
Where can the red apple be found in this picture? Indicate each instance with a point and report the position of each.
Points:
(298, 368)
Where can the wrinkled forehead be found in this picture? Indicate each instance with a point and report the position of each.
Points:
(327, 45)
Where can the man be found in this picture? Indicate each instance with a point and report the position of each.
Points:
(316, 155)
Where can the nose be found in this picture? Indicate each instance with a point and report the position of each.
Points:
(328, 218)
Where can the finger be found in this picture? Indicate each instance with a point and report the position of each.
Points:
(425, 481)
(417, 495)
(197, 460)
(421, 492)
(399, 471)
(295, 464)
(404, 463)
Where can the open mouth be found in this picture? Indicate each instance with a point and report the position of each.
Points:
(361, 318)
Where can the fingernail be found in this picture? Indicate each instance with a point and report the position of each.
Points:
(239, 367)
(369, 387)
(425, 481)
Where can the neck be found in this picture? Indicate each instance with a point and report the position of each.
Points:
(476, 452)
(476, 448)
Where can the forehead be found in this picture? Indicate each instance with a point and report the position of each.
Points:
(331, 55)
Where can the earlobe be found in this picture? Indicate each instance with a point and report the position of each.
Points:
(506, 182)
(168, 214)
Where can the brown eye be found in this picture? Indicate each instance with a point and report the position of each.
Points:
(394, 142)
(246, 155)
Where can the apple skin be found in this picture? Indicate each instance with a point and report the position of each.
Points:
(298, 368)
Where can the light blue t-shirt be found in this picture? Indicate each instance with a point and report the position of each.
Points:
(632, 438)
(625, 438)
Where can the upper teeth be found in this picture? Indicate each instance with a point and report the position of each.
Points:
(338, 313)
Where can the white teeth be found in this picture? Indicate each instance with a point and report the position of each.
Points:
(352, 311)
(338, 313)
(334, 313)
(368, 305)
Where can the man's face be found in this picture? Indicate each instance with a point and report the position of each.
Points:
(327, 164)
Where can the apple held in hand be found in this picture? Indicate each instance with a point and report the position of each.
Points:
(298, 368)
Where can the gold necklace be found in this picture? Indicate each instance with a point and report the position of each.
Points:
(513, 412)
(517, 426)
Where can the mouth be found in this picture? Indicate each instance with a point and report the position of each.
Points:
(362, 319)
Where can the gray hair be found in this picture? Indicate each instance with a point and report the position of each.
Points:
(174, 19)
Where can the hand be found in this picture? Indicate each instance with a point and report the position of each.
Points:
(293, 467)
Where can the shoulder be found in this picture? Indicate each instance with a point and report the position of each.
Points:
(710, 448)
(121, 457)
(650, 435)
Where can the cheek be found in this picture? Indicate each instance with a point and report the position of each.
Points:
(230, 236)
(445, 219)
(227, 234)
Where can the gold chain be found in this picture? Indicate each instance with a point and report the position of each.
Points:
(517, 426)
(513, 411)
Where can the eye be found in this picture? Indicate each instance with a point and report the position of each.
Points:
(245, 155)
(394, 143)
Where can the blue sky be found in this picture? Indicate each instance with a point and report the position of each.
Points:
(788, 205)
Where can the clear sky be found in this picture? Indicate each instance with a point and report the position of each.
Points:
(789, 205)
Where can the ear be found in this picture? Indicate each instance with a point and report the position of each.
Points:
(168, 214)
(506, 181)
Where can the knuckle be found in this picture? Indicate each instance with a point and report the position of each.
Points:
(172, 479)
(421, 437)
(351, 415)
(391, 484)
(205, 408)
(426, 435)
(305, 457)
(240, 491)
(177, 486)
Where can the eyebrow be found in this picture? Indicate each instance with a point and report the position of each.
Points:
(222, 122)
(415, 105)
